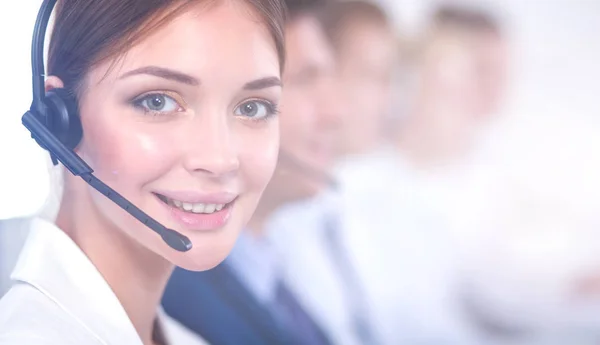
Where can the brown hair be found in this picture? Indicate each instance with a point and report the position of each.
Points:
(339, 17)
(86, 33)
(450, 21)
(297, 8)
(465, 18)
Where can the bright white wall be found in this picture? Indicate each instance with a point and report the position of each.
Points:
(23, 173)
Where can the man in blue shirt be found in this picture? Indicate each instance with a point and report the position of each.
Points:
(245, 300)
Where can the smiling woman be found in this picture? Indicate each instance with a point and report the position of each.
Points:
(178, 103)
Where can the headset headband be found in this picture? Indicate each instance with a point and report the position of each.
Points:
(37, 55)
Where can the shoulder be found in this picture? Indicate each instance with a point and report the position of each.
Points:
(29, 317)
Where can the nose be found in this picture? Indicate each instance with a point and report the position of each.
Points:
(211, 148)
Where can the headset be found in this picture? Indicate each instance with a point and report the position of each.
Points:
(54, 123)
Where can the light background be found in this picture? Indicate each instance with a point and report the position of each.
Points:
(552, 111)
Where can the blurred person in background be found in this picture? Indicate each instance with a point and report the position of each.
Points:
(310, 234)
(366, 51)
(460, 78)
(393, 196)
(247, 300)
(529, 227)
(526, 252)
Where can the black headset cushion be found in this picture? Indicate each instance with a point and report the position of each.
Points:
(63, 117)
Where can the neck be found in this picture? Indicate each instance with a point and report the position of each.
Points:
(136, 275)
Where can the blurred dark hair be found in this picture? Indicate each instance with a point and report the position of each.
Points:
(465, 18)
(338, 17)
(297, 8)
(89, 32)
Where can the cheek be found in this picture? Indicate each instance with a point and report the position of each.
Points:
(258, 152)
(124, 152)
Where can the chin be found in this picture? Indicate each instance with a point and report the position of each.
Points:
(204, 255)
(199, 262)
(200, 266)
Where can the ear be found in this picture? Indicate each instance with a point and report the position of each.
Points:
(53, 82)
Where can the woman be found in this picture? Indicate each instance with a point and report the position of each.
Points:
(178, 103)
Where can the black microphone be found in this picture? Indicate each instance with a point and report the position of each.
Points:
(308, 171)
(78, 167)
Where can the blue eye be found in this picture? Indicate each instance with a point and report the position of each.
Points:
(256, 110)
(157, 103)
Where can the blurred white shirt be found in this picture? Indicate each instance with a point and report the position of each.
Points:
(528, 222)
(521, 217)
(400, 252)
(297, 233)
(58, 297)
(403, 250)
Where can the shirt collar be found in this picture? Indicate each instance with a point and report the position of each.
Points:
(255, 262)
(52, 263)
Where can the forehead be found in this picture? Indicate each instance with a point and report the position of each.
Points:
(222, 42)
(365, 31)
(307, 45)
(369, 42)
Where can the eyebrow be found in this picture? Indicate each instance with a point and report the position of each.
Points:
(262, 83)
(170, 74)
(165, 73)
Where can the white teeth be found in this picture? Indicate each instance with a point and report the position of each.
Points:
(187, 206)
(196, 208)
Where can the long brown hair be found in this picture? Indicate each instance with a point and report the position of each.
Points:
(86, 32)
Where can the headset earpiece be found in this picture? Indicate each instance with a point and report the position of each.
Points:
(54, 123)
(62, 117)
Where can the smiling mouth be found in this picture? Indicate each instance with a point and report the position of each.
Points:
(196, 208)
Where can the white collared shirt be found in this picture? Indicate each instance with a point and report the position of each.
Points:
(398, 252)
(402, 250)
(296, 231)
(59, 297)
